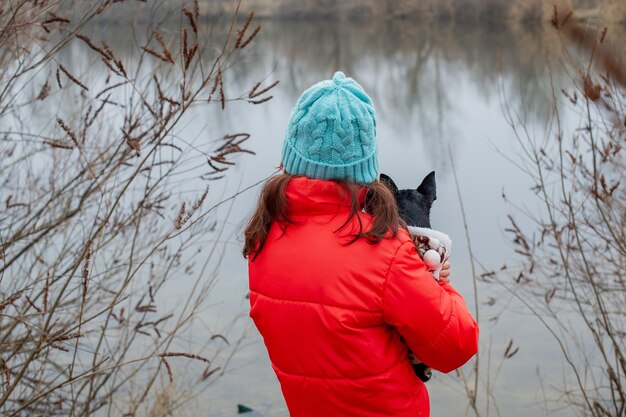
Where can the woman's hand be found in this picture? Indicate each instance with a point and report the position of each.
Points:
(444, 274)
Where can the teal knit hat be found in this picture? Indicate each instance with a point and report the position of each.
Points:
(332, 133)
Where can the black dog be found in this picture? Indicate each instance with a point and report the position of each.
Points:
(414, 205)
(414, 208)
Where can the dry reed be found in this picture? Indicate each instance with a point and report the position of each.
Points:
(87, 243)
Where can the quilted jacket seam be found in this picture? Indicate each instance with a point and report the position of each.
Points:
(445, 328)
(393, 259)
(344, 378)
(362, 310)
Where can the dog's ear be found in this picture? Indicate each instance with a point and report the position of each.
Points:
(428, 187)
(386, 179)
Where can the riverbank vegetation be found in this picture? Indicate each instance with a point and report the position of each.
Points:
(494, 11)
(572, 251)
(98, 215)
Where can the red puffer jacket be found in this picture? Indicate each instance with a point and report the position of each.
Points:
(334, 316)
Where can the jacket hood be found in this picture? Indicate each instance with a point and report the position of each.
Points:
(307, 196)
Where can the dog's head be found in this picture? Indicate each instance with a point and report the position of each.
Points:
(414, 205)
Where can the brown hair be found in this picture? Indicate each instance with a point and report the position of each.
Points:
(379, 203)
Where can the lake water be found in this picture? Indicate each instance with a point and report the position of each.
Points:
(439, 92)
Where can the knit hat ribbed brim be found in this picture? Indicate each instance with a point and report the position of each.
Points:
(364, 171)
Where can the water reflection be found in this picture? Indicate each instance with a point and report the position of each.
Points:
(418, 66)
(413, 70)
(412, 59)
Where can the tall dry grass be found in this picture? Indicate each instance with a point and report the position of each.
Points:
(93, 223)
(572, 252)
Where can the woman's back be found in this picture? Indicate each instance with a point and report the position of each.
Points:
(332, 313)
(340, 295)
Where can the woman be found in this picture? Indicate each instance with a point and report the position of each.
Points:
(337, 289)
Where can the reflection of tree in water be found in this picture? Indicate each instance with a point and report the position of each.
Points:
(413, 70)
(460, 11)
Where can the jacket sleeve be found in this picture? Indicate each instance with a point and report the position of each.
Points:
(432, 317)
